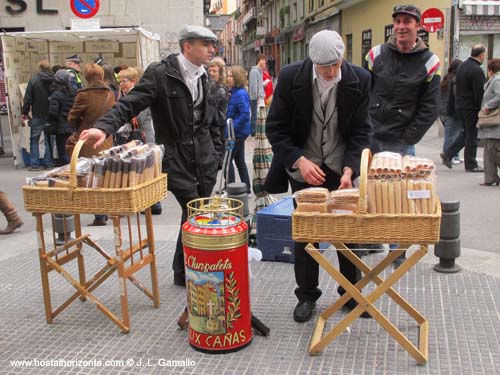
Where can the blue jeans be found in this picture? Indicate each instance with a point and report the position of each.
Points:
(452, 130)
(253, 119)
(238, 156)
(37, 127)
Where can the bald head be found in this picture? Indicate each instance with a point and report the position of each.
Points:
(478, 52)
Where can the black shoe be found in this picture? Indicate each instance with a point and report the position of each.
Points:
(374, 248)
(303, 311)
(399, 260)
(156, 209)
(475, 170)
(362, 253)
(98, 223)
(352, 304)
(180, 278)
(446, 160)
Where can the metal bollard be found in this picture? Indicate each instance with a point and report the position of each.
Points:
(63, 226)
(448, 247)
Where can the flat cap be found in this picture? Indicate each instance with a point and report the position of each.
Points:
(326, 47)
(196, 32)
(74, 58)
(410, 9)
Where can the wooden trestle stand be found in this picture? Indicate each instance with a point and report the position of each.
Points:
(366, 303)
(139, 253)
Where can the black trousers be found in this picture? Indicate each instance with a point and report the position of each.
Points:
(182, 198)
(306, 268)
(467, 139)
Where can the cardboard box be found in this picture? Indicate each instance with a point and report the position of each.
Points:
(102, 46)
(129, 50)
(66, 48)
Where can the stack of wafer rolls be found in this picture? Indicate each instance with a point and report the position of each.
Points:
(312, 200)
(401, 185)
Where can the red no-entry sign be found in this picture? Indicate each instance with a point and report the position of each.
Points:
(432, 20)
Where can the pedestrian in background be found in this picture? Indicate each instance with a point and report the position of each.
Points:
(36, 99)
(218, 95)
(73, 66)
(447, 113)
(176, 90)
(491, 134)
(90, 104)
(470, 82)
(60, 103)
(404, 98)
(238, 109)
(256, 90)
(318, 125)
(10, 213)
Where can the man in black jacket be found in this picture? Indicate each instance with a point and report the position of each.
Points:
(470, 81)
(404, 98)
(318, 125)
(176, 89)
(36, 98)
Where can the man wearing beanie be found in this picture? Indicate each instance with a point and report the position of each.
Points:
(404, 98)
(318, 125)
(176, 90)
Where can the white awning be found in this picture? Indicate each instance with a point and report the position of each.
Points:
(481, 7)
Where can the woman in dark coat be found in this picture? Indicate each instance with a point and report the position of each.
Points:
(60, 103)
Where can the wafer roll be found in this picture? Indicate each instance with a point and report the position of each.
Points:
(378, 196)
(392, 197)
(398, 197)
(404, 197)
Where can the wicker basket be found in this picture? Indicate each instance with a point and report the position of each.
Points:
(364, 227)
(93, 200)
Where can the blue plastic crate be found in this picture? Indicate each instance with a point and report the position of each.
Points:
(274, 231)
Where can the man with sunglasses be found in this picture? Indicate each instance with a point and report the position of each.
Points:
(404, 97)
(176, 90)
(318, 125)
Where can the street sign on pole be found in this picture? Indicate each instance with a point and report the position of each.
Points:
(85, 8)
(432, 20)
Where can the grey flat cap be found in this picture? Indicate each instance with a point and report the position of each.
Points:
(196, 32)
(326, 47)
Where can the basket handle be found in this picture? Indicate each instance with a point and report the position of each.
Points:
(74, 160)
(363, 177)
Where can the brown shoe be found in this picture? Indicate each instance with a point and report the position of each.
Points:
(12, 226)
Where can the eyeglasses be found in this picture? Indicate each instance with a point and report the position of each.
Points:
(124, 80)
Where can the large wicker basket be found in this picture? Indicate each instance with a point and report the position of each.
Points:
(93, 200)
(364, 227)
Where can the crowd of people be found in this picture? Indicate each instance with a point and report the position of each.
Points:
(322, 114)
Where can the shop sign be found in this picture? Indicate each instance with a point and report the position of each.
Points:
(298, 34)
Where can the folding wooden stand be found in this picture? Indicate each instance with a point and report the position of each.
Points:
(366, 303)
(127, 261)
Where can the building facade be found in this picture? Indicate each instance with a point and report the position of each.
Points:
(164, 17)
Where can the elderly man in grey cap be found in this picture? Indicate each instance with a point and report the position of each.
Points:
(318, 125)
(175, 89)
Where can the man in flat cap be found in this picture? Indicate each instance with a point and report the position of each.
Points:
(404, 98)
(318, 125)
(175, 89)
(73, 65)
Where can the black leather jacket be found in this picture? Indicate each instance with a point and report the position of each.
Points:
(404, 98)
(190, 153)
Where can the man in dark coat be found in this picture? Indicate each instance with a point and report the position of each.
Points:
(175, 89)
(470, 80)
(36, 98)
(318, 125)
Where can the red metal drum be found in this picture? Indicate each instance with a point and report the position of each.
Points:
(217, 278)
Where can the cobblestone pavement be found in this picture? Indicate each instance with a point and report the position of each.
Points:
(462, 309)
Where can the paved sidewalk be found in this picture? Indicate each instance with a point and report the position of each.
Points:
(462, 309)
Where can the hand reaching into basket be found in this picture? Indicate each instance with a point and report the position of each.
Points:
(310, 171)
(346, 179)
(97, 134)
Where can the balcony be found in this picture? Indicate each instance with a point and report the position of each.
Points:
(249, 16)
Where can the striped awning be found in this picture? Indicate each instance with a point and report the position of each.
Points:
(481, 7)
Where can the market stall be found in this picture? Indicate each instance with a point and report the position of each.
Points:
(24, 50)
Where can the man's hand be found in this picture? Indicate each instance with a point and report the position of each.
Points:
(93, 133)
(24, 118)
(486, 111)
(311, 172)
(346, 179)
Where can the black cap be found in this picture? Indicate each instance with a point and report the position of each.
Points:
(74, 58)
(410, 9)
